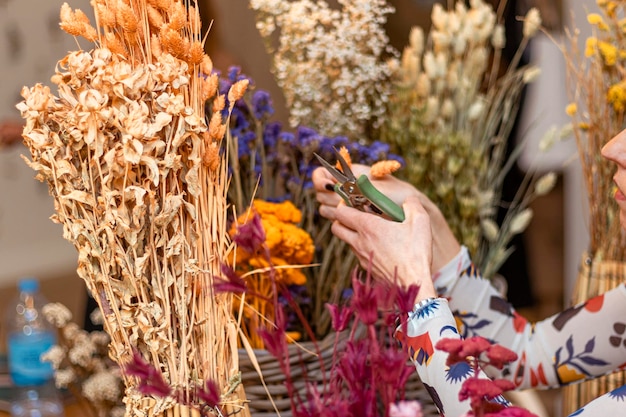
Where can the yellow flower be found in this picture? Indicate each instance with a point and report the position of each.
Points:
(591, 46)
(594, 18)
(608, 52)
(617, 97)
(571, 109)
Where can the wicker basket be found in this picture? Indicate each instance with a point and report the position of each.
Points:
(303, 362)
(594, 278)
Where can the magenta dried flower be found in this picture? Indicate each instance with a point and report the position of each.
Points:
(364, 302)
(209, 394)
(251, 235)
(151, 381)
(340, 316)
(232, 284)
(474, 346)
(405, 298)
(453, 347)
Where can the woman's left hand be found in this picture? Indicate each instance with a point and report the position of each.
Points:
(391, 250)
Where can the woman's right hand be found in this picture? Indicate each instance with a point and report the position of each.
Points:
(445, 245)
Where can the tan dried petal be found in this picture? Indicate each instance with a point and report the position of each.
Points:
(382, 168)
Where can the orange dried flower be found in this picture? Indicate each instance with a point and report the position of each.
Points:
(196, 53)
(155, 18)
(345, 154)
(207, 65)
(172, 42)
(126, 18)
(237, 91)
(382, 168)
(177, 17)
(112, 42)
(211, 157)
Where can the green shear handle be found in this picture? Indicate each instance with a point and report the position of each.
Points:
(384, 203)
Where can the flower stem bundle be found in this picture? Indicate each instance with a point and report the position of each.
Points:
(598, 101)
(130, 148)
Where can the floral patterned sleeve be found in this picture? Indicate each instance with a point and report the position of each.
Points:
(583, 341)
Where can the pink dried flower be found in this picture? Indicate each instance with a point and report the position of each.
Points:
(233, 282)
(151, 381)
(340, 316)
(499, 356)
(209, 394)
(364, 302)
(405, 298)
(474, 346)
(250, 236)
(405, 409)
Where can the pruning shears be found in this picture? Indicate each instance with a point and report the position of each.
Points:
(360, 193)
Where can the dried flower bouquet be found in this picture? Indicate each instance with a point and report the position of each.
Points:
(131, 149)
(446, 106)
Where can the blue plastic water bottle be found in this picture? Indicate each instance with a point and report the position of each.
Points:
(29, 335)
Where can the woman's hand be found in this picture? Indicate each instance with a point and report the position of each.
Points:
(445, 245)
(391, 250)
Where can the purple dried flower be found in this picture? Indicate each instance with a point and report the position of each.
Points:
(251, 235)
(262, 104)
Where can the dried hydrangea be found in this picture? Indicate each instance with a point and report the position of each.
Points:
(329, 62)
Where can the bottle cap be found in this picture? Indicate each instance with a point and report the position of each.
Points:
(28, 285)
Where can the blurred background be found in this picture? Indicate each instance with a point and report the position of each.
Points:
(31, 42)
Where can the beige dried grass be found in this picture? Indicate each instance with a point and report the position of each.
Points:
(139, 186)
